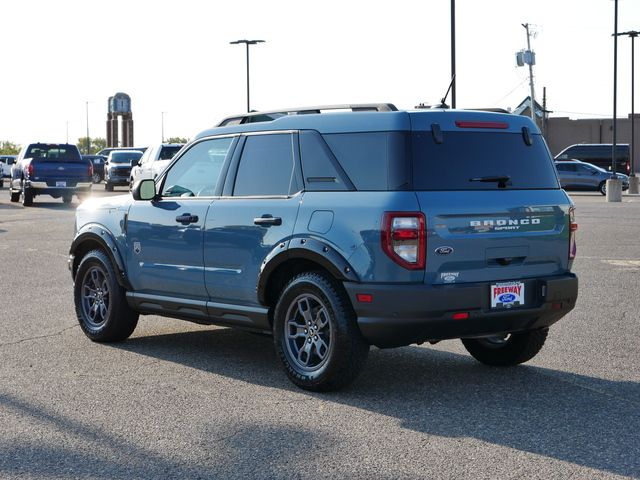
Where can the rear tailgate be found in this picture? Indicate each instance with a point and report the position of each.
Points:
(60, 172)
(495, 235)
(493, 205)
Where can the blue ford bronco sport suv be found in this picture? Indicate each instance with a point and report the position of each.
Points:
(336, 231)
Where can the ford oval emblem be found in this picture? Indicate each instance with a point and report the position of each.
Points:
(444, 250)
(507, 298)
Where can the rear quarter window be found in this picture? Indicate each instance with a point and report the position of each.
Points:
(373, 161)
(463, 156)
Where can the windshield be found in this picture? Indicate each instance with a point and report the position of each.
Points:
(125, 157)
(481, 161)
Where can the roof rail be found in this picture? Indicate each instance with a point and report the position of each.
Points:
(267, 116)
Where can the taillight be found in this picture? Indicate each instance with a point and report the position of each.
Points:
(404, 238)
(90, 169)
(573, 227)
(472, 124)
(30, 170)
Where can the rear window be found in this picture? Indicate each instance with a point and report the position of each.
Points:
(464, 159)
(167, 153)
(54, 152)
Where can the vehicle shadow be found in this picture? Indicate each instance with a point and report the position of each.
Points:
(111, 456)
(580, 419)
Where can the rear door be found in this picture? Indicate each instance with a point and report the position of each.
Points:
(493, 206)
(257, 213)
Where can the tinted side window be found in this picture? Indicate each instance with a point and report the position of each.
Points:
(373, 161)
(320, 169)
(196, 173)
(266, 166)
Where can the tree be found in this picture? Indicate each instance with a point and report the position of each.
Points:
(95, 145)
(9, 148)
(177, 140)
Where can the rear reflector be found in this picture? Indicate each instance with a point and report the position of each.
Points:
(460, 316)
(364, 297)
(466, 124)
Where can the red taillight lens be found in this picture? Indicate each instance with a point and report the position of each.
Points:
(404, 238)
(573, 227)
(31, 170)
(90, 169)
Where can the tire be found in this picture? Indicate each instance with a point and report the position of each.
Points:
(96, 178)
(67, 199)
(602, 188)
(316, 335)
(101, 304)
(108, 187)
(499, 351)
(27, 196)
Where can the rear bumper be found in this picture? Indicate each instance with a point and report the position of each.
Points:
(406, 314)
(41, 188)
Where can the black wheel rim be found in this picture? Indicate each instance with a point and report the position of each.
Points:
(96, 298)
(308, 333)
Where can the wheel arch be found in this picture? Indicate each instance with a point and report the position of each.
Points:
(294, 257)
(97, 237)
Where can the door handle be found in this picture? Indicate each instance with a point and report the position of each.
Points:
(267, 220)
(186, 218)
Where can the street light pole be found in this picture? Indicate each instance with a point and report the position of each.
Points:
(247, 43)
(633, 179)
(163, 125)
(88, 139)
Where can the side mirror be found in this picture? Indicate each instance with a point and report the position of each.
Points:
(144, 189)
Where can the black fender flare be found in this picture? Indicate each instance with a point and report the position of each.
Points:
(97, 233)
(305, 248)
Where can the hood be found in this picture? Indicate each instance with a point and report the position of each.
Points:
(106, 203)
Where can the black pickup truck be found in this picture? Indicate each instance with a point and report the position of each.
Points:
(50, 169)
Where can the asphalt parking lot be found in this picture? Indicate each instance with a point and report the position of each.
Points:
(178, 400)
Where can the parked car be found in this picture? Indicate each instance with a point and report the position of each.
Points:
(577, 175)
(98, 166)
(337, 231)
(154, 160)
(108, 150)
(117, 167)
(5, 164)
(55, 169)
(598, 154)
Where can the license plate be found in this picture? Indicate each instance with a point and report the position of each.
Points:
(61, 184)
(507, 294)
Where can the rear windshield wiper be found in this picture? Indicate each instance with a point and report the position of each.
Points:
(501, 179)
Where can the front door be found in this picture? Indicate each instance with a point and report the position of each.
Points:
(165, 236)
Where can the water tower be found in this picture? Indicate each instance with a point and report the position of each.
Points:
(119, 121)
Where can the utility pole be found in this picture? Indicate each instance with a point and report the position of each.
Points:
(531, 62)
(614, 184)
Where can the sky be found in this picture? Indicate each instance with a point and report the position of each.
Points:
(61, 59)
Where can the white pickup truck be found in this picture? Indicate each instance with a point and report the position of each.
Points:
(154, 160)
